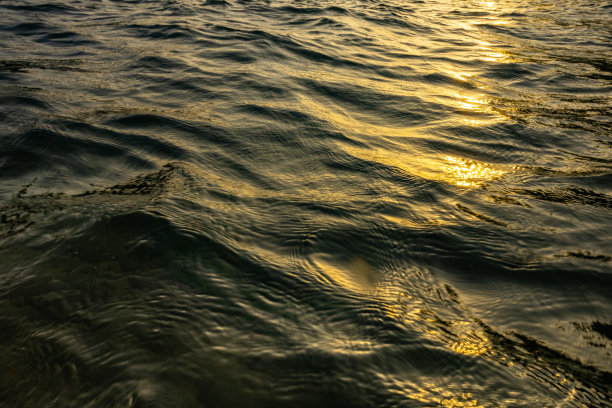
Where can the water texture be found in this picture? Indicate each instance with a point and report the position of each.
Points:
(306, 204)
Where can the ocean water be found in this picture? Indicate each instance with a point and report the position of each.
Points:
(354, 203)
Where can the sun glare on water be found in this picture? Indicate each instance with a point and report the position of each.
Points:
(469, 173)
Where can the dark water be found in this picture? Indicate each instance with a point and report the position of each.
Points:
(306, 204)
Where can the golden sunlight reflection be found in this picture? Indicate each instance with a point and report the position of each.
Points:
(436, 395)
(473, 103)
(494, 10)
(400, 305)
(469, 173)
(476, 108)
(464, 401)
(470, 346)
(492, 55)
(462, 76)
(450, 169)
(357, 275)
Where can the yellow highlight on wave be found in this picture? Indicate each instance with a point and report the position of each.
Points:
(469, 173)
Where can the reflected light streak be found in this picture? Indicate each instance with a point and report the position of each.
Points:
(470, 347)
(469, 173)
(491, 55)
(476, 105)
(462, 76)
(356, 276)
(464, 401)
(473, 103)
(454, 170)
(435, 395)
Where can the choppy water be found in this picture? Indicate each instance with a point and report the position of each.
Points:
(306, 204)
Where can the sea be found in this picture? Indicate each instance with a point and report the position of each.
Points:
(273, 203)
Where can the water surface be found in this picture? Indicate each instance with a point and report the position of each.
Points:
(306, 204)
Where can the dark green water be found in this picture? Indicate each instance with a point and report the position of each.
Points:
(306, 204)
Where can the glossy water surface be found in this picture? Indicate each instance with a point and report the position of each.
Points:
(306, 204)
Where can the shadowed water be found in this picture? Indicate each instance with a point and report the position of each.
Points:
(306, 204)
